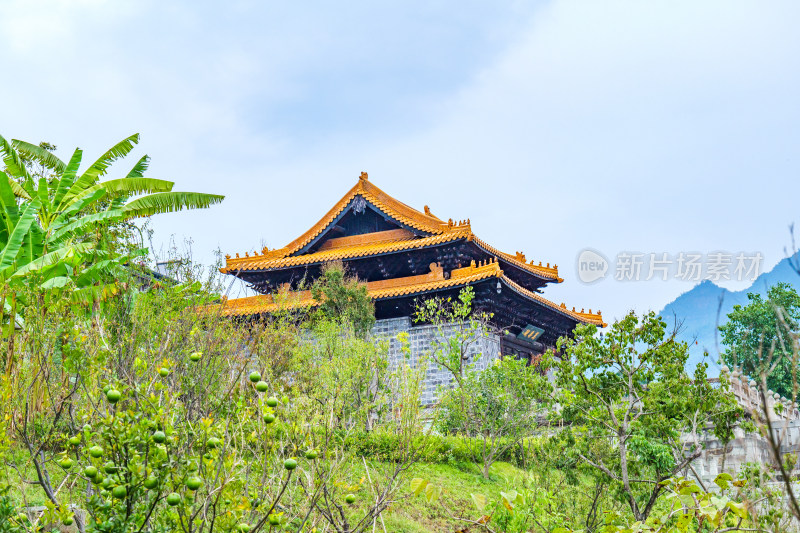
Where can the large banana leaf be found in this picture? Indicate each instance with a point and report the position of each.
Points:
(168, 202)
(139, 168)
(99, 167)
(53, 258)
(84, 224)
(73, 208)
(8, 202)
(17, 237)
(43, 156)
(67, 177)
(16, 168)
(131, 186)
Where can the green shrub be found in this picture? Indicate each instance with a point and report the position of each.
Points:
(442, 449)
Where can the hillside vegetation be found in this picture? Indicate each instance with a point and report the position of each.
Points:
(132, 403)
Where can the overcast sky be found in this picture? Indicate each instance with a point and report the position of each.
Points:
(639, 126)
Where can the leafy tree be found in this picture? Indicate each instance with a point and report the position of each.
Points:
(459, 328)
(760, 337)
(499, 405)
(634, 415)
(346, 370)
(343, 299)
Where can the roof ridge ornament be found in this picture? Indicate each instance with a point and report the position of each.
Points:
(364, 176)
(359, 204)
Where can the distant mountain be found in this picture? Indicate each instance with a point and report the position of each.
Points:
(702, 309)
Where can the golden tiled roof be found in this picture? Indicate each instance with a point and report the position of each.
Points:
(377, 242)
(381, 246)
(433, 280)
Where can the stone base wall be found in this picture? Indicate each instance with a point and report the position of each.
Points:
(422, 341)
(751, 447)
(745, 448)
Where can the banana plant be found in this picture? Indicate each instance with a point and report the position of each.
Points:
(51, 226)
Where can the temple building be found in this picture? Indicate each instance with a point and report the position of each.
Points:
(405, 256)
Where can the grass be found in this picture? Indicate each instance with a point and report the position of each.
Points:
(415, 515)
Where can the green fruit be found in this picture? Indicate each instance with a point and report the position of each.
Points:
(66, 463)
(106, 483)
(269, 418)
(350, 498)
(255, 377)
(163, 372)
(68, 521)
(213, 442)
(274, 520)
(311, 455)
(96, 451)
(194, 483)
(98, 479)
(75, 440)
(173, 499)
(272, 401)
(243, 527)
(262, 386)
(106, 388)
(119, 492)
(196, 356)
(113, 395)
(159, 437)
(110, 468)
(150, 483)
(290, 464)
(90, 471)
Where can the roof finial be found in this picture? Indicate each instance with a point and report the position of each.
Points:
(427, 210)
(364, 176)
